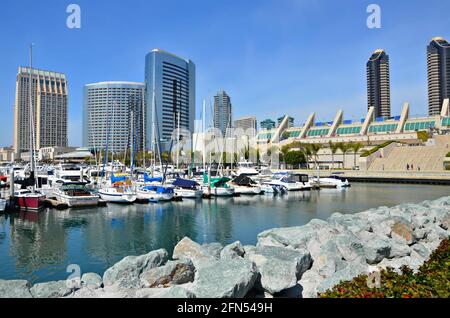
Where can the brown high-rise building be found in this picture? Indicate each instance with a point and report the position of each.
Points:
(438, 62)
(378, 84)
(49, 100)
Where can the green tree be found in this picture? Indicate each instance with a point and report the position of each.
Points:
(294, 158)
(356, 147)
(334, 148)
(344, 148)
(314, 149)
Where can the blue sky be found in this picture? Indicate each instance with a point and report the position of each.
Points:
(271, 56)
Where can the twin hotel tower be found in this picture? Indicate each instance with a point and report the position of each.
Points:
(112, 108)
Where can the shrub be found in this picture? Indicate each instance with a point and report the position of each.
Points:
(431, 281)
(423, 136)
(294, 158)
(375, 149)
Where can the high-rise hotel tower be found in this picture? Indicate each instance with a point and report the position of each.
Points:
(223, 113)
(49, 100)
(114, 116)
(170, 93)
(438, 61)
(378, 84)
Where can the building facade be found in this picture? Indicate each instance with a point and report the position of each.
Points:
(49, 107)
(114, 114)
(438, 63)
(223, 112)
(247, 123)
(170, 92)
(378, 84)
(290, 122)
(267, 124)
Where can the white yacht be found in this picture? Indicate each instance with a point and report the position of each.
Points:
(285, 182)
(117, 194)
(246, 168)
(331, 182)
(243, 184)
(155, 193)
(75, 194)
(187, 189)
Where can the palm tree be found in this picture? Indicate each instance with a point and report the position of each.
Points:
(334, 148)
(356, 146)
(314, 150)
(344, 147)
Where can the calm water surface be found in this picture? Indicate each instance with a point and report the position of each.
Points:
(39, 247)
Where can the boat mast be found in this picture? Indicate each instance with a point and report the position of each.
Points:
(144, 141)
(204, 134)
(31, 120)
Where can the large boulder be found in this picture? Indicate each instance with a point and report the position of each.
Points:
(445, 221)
(353, 270)
(213, 249)
(293, 237)
(55, 289)
(399, 249)
(234, 250)
(348, 222)
(91, 280)
(226, 278)
(15, 289)
(126, 273)
(309, 283)
(376, 249)
(173, 273)
(190, 250)
(280, 268)
(326, 257)
(403, 231)
(349, 246)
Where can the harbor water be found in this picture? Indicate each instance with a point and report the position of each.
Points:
(40, 247)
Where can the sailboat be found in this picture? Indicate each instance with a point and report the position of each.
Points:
(27, 198)
(188, 189)
(217, 186)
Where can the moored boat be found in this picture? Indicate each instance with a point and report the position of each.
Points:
(187, 189)
(75, 194)
(245, 185)
(155, 193)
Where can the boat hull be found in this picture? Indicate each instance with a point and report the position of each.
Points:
(247, 190)
(153, 196)
(220, 192)
(74, 202)
(31, 202)
(188, 194)
(126, 198)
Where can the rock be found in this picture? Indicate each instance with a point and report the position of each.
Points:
(234, 250)
(213, 249)
(436, 233)
(348, 222)
(419, 234)
(399, 250)
(326, 257)
(173, 273)
(309, 282)
(226, 278)
(376, 249)
(422, 250)
(397, 263)
(445, 221)
(91, 280)
(293, 292)
(171, 292)
(190, 250)
(249, 249)
(15, 289)
(421, 221)
(126, 272)
(293, 237)
(280, 268)
(56, 289)
(349, 246)
(403, 231)
(353, 270)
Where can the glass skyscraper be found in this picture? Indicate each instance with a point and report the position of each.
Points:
(114, 113)
(170, 92)
(438, 60)
(223, 114)
(378, 84)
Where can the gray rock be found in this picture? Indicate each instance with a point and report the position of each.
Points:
(309, 282)
(190, 250)
(326, 257)
(280, 268)
(422, 250)
(56, 289)
(403, 230)
(91, 280)
(421, 221)
(234, 250)
(348, 222)
(213, 249)
(15, 289)
(294, 237)
(445, 221)
(173, 273)
(249, 249)
(349, 246)
(171, 292)
(399, 250)
(226, 278)
(419, 234)
(413, 262)
(376, 249)
(353, 270)
(126, 272)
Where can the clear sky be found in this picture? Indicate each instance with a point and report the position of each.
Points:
(271, 56)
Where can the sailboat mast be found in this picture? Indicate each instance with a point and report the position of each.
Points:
(204, 134)
(31, 119)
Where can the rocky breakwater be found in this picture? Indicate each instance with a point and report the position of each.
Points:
(286, 262)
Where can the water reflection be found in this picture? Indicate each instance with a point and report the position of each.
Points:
(38, 247)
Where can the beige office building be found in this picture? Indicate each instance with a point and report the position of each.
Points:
(49, 99)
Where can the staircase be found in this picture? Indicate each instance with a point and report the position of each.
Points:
(428, 158)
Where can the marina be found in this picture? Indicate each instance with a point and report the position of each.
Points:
(39, 246)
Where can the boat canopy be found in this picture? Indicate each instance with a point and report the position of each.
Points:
(115, 179)
(184, 183)
(159, 189)
(243, 180)
(217, 181)
(148, 179)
